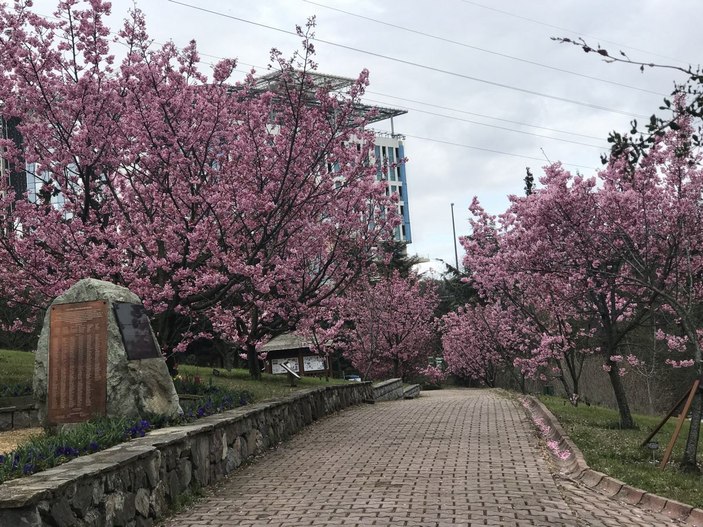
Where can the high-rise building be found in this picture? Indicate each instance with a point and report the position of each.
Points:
(389, 149)
(389, 153)
(9, 171)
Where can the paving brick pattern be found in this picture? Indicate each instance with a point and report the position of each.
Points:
(451, 457)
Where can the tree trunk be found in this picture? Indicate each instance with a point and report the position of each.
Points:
(690, 453)
(396, 367)
(626, 420)
(253, 362)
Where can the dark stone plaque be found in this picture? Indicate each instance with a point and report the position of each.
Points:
(136, 331)
(77, 362)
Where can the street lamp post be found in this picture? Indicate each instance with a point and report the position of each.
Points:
(456, 254)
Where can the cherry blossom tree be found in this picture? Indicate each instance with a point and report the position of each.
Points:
(390, 327)
(232, 210)
(538, 308)
(655, 221)
(477, 344)
(612, 250)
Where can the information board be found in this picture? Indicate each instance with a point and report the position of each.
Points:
(77, 386)
(314, 363)
(136, 331)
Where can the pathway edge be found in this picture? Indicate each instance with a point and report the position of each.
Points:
(576, 468)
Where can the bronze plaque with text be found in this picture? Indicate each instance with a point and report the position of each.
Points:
(77, 362)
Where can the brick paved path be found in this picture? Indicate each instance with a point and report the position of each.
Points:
(451, 457)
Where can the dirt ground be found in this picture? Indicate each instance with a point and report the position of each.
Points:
(9, 440)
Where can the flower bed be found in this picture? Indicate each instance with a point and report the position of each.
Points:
(98, 434)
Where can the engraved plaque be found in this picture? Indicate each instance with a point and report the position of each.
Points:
(77, 362)
(136, 331)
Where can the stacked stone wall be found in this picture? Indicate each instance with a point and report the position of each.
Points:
(389, 390)
(135, 483)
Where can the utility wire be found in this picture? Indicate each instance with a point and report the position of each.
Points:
(500, 127)
(416, 64)
(573, 31)
(418, 102)
(424, 103)
(484, 50)
(472, 147)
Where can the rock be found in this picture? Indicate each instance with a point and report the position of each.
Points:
(61, 513)
(23, 517)
(135, 388)
(141, 502)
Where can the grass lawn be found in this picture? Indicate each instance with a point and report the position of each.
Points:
(16, 366)
(270, 386)
(618, 453)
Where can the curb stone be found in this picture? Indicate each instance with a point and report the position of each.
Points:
(576, 468)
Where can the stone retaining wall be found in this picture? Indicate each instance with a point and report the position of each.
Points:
(389, 390)
(412, 391)
(134, 483)
(21, 416)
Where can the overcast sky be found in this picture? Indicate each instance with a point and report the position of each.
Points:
(459, 82)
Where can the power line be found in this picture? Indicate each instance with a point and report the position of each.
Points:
(484, 50)
(499, 127)
(423, 103)
(416, 64)
(573, 31)
(472, 147)
(417, 102)
(484, 116)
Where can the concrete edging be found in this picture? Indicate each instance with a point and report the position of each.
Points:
(389, 390)
(576, 468)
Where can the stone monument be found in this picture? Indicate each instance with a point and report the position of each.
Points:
(97, 355)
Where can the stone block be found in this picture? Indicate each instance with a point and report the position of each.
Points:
(185, 473)
(141, 503)
(22, 419)
(591, 478)
(609, 486)
(157, 500)
(6, 421)
(200, 454)
(152, 468)
(82, 498)
(94, 518)
(61, 513)
(695, 518)
(677, 510)
(144, 522)
(652, 502)
(20, 517)
(630, 495)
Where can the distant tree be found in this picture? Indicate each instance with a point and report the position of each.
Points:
(529, 181)
(390, 326)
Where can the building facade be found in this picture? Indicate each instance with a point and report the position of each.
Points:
(8, 171)
(389, 156)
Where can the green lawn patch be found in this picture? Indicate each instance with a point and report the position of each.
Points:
(16, 372)
(617, 452)
(16, 366)
(269, 387)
